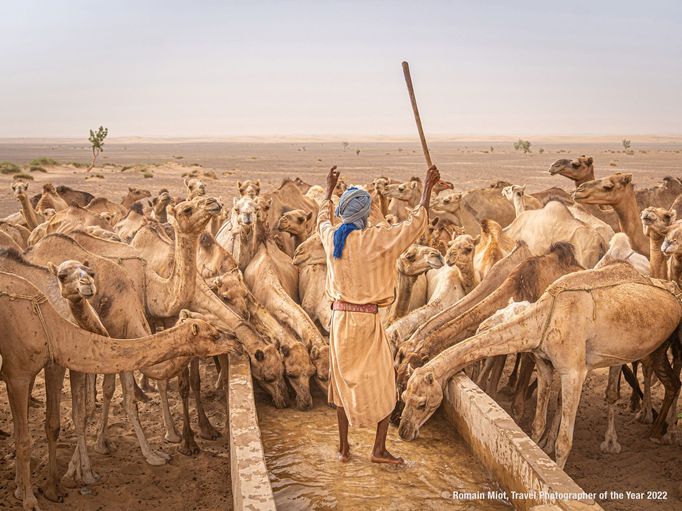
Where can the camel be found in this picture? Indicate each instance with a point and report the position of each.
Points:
(249, 188)
(158, 205)
(449, 283)
(316, 193)
(31, 217)
(441, 233)
(581, 171)
(662, 195)
(50, 199)
(541, 227)
(75, 217)
(677, 206)
(618, 192)
(70, 196)
(527, 281)
(577, 325)
(621, 250)
(672, 248)
(8, 241)
(131, 223)
(18, 233)
(311, 261)
(493, 245)
(195, 187)
(36, 335)
(403, 197)
(102, 205)
(655, 224)
(299, 223)
(134, 194)
(468, 209)
(415, 261)
(521, 201)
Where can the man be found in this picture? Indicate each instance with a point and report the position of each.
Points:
(361, 277)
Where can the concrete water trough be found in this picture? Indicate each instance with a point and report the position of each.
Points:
(529, 477)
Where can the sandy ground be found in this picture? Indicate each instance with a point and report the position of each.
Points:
(200, 483)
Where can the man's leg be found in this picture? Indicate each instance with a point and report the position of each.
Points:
(379, 453)
(344, 448)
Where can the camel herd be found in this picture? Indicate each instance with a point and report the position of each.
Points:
(564, 281)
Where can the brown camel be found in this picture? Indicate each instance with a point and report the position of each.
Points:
(134, 220)
(249, 188)
(159, 204)
(17, 232)
(70, 196)
(460, 253)
(299, 223)
(441, 233)
(134, 194)
(102, 205)
(36, 335)
(672, 248)
(75, 217)
(9, 242)
(492, 246)
(655, 224)
(403, 197)
(662, 195)
(585, 320)
(195, 187)
(31, 217)
(414, 262)
(618, 192)
(311, 262)
(50, 199)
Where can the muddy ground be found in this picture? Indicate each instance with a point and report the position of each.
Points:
(202, 483)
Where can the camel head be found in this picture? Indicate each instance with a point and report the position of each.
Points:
(108, 217)
(672, 244)
(579, 170)
(298, 370)
(204, 334)
(50, 199)
(268, 369)
(319, 356)
(135, 194)
(301, 185)
(161, 201)
(391, 219)
(606, 191)
(510, 192)
(262, 209)
(310, 252)
(461, 251)
(657, 220)
(403, 191)
(441, 186)
(231, 289)
(195, 187)
(245, 210)
(422, 397)
(249, 188)
(295, 222)
(76, 279)
(379, 185)
(49, 213)
(19, 188)
(448, 201)
(418, 259)
(191, 216)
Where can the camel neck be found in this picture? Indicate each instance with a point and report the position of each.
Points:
(86, 317)
(519, 206)
(404, 293)
(29, 212)
(657, 261)
(630, 223)
(588, 177)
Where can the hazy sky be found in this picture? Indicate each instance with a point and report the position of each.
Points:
(220, 68)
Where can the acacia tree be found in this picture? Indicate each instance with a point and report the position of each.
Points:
(626, 144)
(522, 145)
(96, 140)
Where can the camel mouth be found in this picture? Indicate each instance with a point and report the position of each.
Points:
(407, 432)
(554, 171)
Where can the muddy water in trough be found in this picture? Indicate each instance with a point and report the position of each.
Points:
(300, 451)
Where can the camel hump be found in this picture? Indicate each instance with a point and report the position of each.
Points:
(206, 240)
(489, 226)
(565, 253)
(618, 273)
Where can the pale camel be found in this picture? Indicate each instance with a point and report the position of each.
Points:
(493, 244)
(102, 205)
(662, 195)
(299, 223)
(31, 217)
(441, 233)
(70, 196)
(249, 188)
(17, 232)
(134, 220)
(50, 199)
(195, 187)
(316, 193)
(584, 321)
(621, 250)
(403, 197)
(159, 204)
(235, 233)
(311, 261)
(517, 196)
(414, 262)
(450, 283)
(655, 224)
(34, 339)
(541, 227)
(134, 194)
(581, 171)
(672, 249)
(75, 217)
(526, 281)
(618, 192)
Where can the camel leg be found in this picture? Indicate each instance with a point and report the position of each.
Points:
(139, 393)
(672, 435)
(90, 395)
(171, 434)
(103, 444)
(188, 447)
(548, 441)
(485, 371)
(545, 378)
(206, 430)
(515, 372)
(18, 393)
(80, 468)
(152, 456)
(54, 380)
(495, 374)
(145, 386)
(522, 381)
(646, 412)
(634, 397)
(671, 382)
(571, 389)
(610, 443)
(32, 401)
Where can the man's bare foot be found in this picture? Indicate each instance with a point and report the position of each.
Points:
(386, 457)
(344, 455)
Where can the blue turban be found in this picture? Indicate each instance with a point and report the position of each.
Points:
(353, 208)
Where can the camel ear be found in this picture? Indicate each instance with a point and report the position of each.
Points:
(428, 378)
(14, 186)
(285, 350)
(258, 183)
(309, 215)
(625, 179)
(314, 353)
(434, 221)
(239, 185)
(184, 314)
(414, 184)
(260, 356)
(86, 263)
(195, 329)
(670, 216)
(52, 268)
(523, 188)
(131, 189)
(590, 160)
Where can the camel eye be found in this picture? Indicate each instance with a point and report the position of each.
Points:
(292, 375)
(421, 406)
(62, 277)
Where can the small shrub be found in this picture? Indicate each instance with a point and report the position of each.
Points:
(541, 150)
(626, 144)
(357, 152)
(96, 140)
(178, 157)
(78, 165)
(522, 145)
(7, 167)
(148, 175)
(210, 174)
(37, 168)
(613, 163)
(23, 175)
(47, 162)
(126, 167)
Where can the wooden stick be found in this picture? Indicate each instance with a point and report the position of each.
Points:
(415, 109)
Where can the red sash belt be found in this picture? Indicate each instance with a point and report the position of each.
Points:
(370, 308)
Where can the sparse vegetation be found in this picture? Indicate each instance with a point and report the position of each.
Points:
(148, 175)
(522, 145)
(626, 144)
(95, 176)
(613, 163)
(345, 145)
(357, 152)
(46, 162)
(78, 164)
(23, 175)
(492, 149)
(178, 157)
(37, 168)
(96, 140)
(541, 150)
(7, 167)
